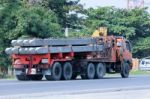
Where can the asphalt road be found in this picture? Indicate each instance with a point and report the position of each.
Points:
(14, 87)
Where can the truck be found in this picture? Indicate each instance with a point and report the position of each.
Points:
(65, 59)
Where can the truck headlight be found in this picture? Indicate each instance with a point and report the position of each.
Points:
(44, 61)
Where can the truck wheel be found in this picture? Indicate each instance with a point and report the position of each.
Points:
(36, 77)
(67, 71)
(125, 69)
(56, 72)
(100, 71)
(90, 72)
(22, 77)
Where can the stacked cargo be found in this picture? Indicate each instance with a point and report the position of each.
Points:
(43, 46)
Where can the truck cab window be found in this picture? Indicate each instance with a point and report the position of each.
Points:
(128, 46)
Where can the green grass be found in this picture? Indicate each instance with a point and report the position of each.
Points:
(139, 72)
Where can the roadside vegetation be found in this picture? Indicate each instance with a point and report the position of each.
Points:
(139, 72)
(49, 18)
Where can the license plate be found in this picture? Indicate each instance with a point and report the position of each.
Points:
(33, 71)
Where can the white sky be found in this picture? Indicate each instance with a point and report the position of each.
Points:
(116, 3)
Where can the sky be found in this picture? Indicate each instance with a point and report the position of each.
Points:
(102, 3)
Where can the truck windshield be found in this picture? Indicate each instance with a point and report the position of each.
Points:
(128, 46)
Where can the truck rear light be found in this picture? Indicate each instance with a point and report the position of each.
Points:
(44, 61)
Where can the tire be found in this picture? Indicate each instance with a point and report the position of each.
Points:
(36, 77)
(100, 71)
(67, 71)
(89, 72)
(56, 72)
(22, 77)
(125, 70)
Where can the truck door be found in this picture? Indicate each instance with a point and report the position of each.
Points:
(127, 54)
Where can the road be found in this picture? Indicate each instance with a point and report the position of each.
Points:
(108, 84)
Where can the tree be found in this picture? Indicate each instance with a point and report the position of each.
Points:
(66, 10)
(37, 22)
(7, 23)
(134, 24)
(18, 19)
(118, 20)
(142, 47)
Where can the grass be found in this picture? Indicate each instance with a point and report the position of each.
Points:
(139, 72)
(133, 72)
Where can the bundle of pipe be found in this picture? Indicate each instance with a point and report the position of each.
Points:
(43, 46)
(52, 42)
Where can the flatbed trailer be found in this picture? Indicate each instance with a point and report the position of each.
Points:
(65, 59)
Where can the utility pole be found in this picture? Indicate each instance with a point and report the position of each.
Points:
(66, 32)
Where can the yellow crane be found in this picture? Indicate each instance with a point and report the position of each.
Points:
(102, 31)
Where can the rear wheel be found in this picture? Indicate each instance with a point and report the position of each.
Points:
(67, 71)
(100, 71)
(22, 77)
(89, 72)
(125, 69)
(56, 72)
